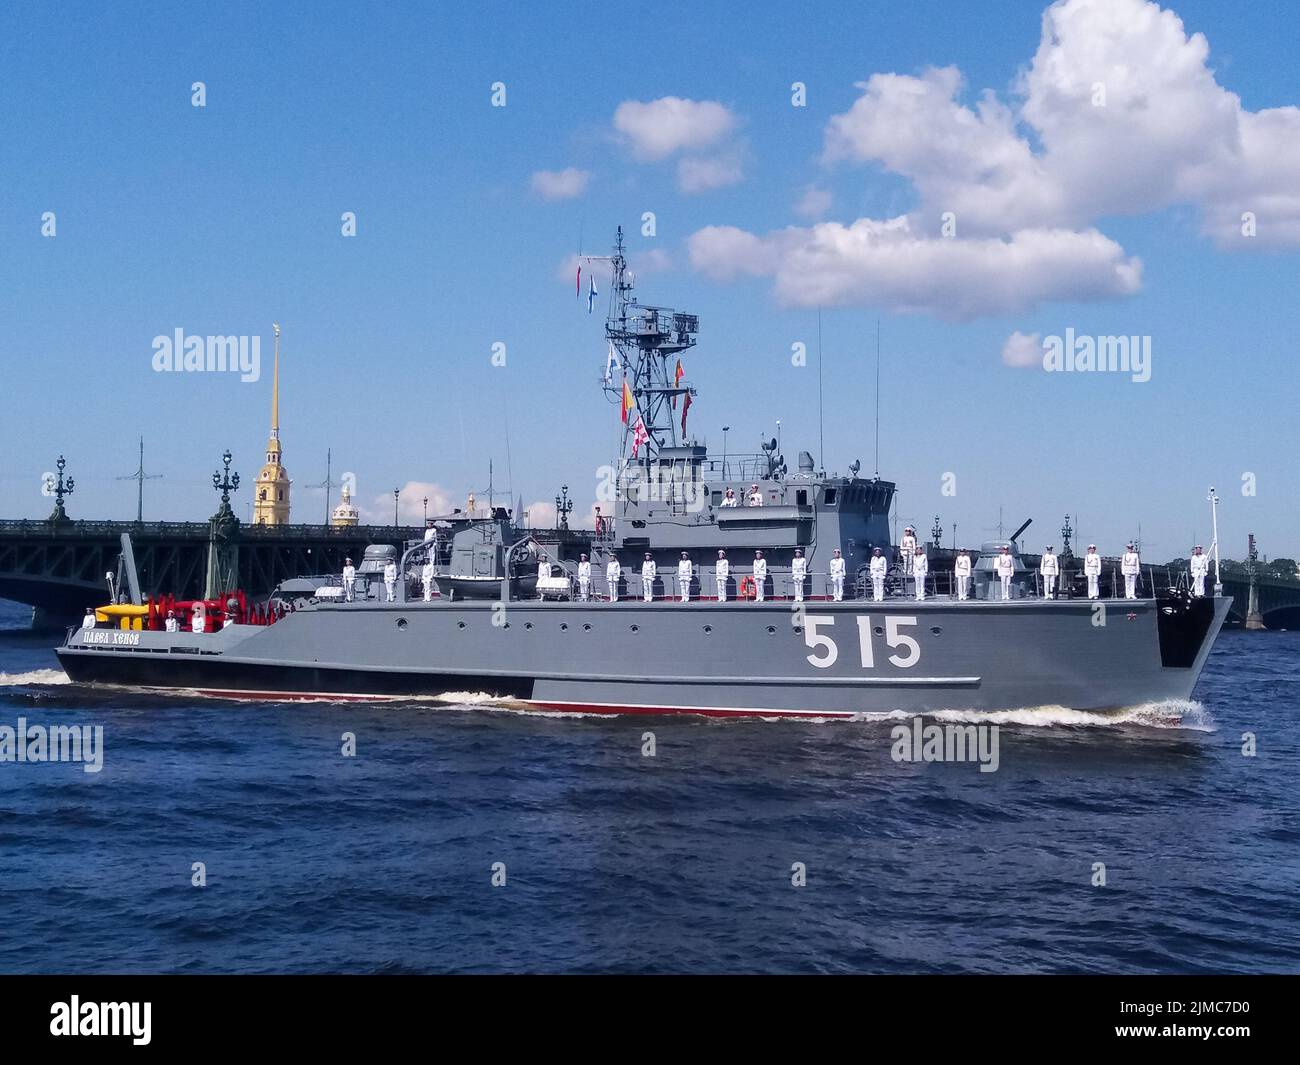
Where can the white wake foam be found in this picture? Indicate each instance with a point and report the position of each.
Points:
(36, 676)
(1165, 713)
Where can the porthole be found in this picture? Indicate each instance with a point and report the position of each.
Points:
(564, 626)
(586, 627)
(708, 628)
(878, 631)
(401, 624)
(635, 628)
(528, 625)
(771, 630)
(460, 624)
(936, 630)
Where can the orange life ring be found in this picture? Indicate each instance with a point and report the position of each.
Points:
(748, 589)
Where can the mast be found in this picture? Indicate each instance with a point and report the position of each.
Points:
(648, 341)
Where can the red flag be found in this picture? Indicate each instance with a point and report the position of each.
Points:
(639, 435)
(677, 380)
(577, 283)
(685, 407)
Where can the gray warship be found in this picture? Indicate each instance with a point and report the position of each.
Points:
(484, 605)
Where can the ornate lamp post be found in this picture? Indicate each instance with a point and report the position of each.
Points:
(61, 488)
(1067, 530)
(936, 533)
(397, 492)
(563, 506)
(225, 482)
(426, 510)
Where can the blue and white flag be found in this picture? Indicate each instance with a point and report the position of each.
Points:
(611, 363)
(591, 292)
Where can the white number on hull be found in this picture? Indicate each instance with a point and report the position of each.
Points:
(825, 652)
(896, 639)
(814, 640)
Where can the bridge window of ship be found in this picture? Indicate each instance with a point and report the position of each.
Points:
(828, 497)
(801, 497)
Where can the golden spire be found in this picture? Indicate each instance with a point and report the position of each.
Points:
(275, 387)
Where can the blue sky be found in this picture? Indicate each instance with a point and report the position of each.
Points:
(223, 219)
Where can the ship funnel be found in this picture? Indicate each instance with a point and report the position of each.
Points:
(805, 462)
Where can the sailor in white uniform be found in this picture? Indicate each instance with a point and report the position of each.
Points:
(88, 622)
(543, 567)
(648, 573)
(837, 577)
(1200, 570)
(760, 576)
(430, 533)
(755, 496)
(798, 573)
(1049, 569)
(426, 578)
(227, 621)
(961, 570)
(729, 500)
(584, 578)
(1092, 570)
(349, 579)
(1130, 566)
(685, 571)
(613, 571)
(908, 550)
(171, 624)
(920, 569)
(1005, 567)
(390, 580)
(878, 568)
(196, 619)
(721, 571)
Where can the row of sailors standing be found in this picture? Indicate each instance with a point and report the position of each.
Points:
(721, 575)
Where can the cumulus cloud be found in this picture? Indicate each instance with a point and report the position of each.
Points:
(889, 264)
(566, 184)
(1118, 113)
(410, 504)
(663, 127)
(1023, 350)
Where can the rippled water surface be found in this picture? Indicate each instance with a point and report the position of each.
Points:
(677, 862)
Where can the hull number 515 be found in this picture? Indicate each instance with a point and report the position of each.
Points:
(907, 652)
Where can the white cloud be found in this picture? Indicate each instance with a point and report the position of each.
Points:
(541, 514)
(663, 127)
(888, 264)
(567, 184)
(1023, 351)
(1118, 113)
(410, 504)
(814, 203)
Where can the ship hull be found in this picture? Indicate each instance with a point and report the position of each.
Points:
(732, 659)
